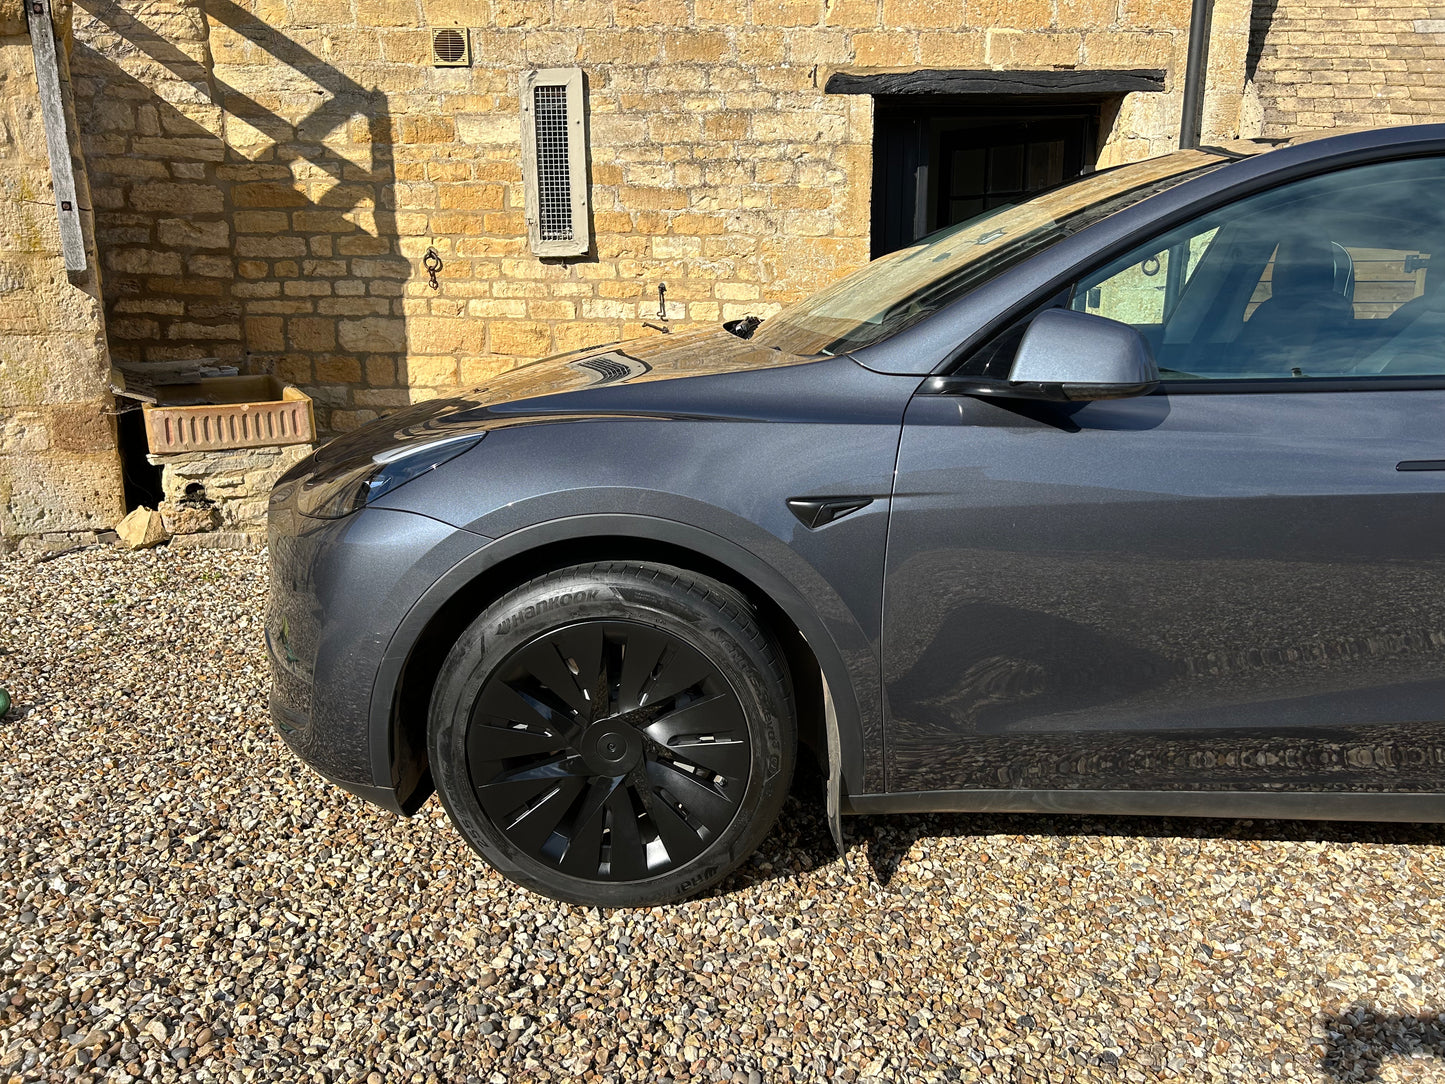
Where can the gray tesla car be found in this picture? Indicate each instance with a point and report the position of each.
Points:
(1126, 499)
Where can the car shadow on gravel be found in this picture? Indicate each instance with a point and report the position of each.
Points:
(1360, 1040)
(880, 844)
(888, 839)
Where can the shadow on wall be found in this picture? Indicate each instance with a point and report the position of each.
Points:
(242, 220)
(1360, 1041)
(1261, 19)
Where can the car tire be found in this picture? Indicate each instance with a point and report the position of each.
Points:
(615, 734)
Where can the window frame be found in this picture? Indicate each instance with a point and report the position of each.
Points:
(580, 243)
(1057, 292)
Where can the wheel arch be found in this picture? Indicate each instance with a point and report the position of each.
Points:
(402, 692)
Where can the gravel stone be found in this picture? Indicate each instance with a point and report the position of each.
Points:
(184, 901)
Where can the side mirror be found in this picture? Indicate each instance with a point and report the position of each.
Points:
(1072, 357)
(1084, 357)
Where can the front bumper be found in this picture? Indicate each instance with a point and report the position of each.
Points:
(339, 591)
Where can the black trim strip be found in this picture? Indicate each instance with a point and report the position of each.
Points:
(1205, 386)
(972, 385)
(1420, 464)
(1097, 82)
(1291, 805)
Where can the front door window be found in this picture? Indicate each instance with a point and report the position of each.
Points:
(1328, 277)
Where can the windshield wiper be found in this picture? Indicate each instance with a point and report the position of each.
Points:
(744, 327)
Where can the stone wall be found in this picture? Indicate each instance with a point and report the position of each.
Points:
(59, 471)
(1344, 64)
(268, 174)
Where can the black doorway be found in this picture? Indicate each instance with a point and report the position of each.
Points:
(936, 163)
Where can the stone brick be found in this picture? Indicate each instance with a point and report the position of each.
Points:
(471, 196)
(432, 371)
(261, 221)
(445, 335)
(1126, 49)
(264, 333)
(218, 267)
(338, 369)
(190, 233)
(1087, 14)
(177, 198)
(143, 261)
(951, 49)
(577, 335)
(860, 14)
(267, 195)
(650, 12)
(311, 333)
(944, 14)
(1013, 49)
(759, 47)
(489, 129)
(345, 420)
(885, 49)
(697, 47)
(391, 13)
(787, 12)
(522, 13)
(1010, 14)
(271, 246)
(796, 126)
(372, 334)
(523, 339)
(1151, 14)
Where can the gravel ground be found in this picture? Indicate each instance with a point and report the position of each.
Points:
(182, 900)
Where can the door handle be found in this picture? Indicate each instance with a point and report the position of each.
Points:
(1420, 464)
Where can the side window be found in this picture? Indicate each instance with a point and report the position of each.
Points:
(1143, 293)
(1325, 277)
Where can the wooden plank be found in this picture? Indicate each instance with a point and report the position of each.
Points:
(52, 109)
(1098, 83)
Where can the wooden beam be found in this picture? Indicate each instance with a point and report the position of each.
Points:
(52, 109)
(1096, 83)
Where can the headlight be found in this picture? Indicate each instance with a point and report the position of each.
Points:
(349, 487)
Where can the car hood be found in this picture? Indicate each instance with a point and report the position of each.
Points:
(576, 384)
(663, 357)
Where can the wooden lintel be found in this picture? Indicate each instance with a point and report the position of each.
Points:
(52, 110)
(1088, 83)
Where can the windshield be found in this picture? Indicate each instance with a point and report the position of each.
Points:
(897, 290)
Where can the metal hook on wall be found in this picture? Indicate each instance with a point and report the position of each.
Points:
(433, 264)
(661, 311)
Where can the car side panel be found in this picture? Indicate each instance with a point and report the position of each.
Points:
(1190, 591)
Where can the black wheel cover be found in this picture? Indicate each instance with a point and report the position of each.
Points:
(609, 750)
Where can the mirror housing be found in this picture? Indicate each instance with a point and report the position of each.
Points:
(1073, 357)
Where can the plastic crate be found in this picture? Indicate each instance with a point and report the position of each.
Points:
(228, 412)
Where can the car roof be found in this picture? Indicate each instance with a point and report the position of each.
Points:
(1368, 135)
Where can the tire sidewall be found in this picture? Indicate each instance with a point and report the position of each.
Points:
(714, 620)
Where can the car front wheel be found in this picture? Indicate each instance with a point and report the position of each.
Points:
(614, 734)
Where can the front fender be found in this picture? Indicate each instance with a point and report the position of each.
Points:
(845, 653)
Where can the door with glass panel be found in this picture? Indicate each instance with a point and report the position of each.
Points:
(1236, 583)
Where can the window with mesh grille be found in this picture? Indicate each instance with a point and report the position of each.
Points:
(554, 162)
(554, 187)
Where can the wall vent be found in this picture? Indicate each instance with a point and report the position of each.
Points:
(554, 162)
(450, 47)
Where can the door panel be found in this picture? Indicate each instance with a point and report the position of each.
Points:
(1189, 591)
